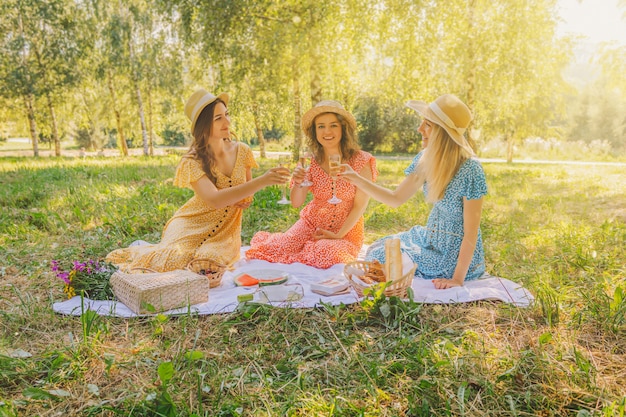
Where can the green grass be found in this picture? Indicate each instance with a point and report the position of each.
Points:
(558, 229)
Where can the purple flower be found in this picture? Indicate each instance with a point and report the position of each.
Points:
(91, 276)
(65, 276)
(79, 266)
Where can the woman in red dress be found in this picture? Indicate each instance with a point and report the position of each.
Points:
(327, 233)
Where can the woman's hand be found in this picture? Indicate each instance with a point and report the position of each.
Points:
(445, 283)
(298, 175)
(346, 173)
(324, 234)
(276, 176)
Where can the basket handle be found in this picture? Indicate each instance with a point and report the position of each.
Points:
(217, 264)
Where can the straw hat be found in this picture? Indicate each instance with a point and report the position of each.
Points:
(449, 112)
(326, 106)
(198, 101)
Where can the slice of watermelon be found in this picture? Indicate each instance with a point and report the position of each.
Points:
(273, 281)
(245, 280)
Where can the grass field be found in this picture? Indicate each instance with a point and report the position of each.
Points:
(560, 230)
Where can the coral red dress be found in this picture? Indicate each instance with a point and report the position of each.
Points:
(297, 243)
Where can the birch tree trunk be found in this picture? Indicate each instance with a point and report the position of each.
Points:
(150, 125)
(55, 130)
(142, 118)
(297, 116)
(53, 117)
(471, 70)
(316, 80)
(30, 113)
(259, 130)
(118, 117)
(509, 148)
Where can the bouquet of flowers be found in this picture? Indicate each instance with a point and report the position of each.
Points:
(91, 277)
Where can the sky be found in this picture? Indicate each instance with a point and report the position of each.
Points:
(597, 20)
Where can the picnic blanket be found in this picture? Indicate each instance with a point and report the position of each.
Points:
(223, 299)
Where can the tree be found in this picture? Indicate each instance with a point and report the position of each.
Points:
(274, 54)
(42, 44)
(111, 55)
(278, 58)
(502, 58)
(518, 59)
(581, 119)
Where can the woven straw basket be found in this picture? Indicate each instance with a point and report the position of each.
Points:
(160, 290)
(396, 288)
(208, 268)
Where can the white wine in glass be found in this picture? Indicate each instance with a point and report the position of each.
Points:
(305, 160)
(334, 161)
(283, 161)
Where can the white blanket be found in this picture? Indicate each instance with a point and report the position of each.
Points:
(223, 299)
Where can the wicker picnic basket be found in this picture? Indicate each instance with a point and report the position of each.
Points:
(148, 292)
(375, 271)
(210, 269)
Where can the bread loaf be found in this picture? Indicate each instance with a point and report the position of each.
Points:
(393, 259)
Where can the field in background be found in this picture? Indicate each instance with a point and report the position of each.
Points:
(560, 230)
(531, 149)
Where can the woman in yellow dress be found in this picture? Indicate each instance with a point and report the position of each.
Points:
(219, 171)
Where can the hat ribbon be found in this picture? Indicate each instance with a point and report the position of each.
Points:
(444, 117)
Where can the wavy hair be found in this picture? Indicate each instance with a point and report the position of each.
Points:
(349, 144)
(440, 162)
(200, 148)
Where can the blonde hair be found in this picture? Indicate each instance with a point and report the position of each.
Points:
(440, 162)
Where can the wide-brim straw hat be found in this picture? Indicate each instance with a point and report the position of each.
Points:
(198, 101)
(449, 112)
(326, 106)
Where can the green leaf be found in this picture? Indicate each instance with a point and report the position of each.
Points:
(39, 394)
(545, 338)
(385, 310)
(166, 372)
(194, 355)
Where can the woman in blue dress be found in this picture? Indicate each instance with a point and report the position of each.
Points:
(449, 249)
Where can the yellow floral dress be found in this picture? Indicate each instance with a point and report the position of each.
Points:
(196, 231)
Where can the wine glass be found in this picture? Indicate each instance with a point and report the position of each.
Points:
(334, 161)
(283, 161)
(305, 159)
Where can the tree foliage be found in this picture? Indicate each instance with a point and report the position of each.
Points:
(127, 67)
(42, 44)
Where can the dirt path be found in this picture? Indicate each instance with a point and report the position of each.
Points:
(164, 151)
(76, 152)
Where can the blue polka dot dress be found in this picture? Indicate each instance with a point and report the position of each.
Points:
(435, 247)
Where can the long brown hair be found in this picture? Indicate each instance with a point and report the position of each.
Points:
(349, 144)
(200, 148)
